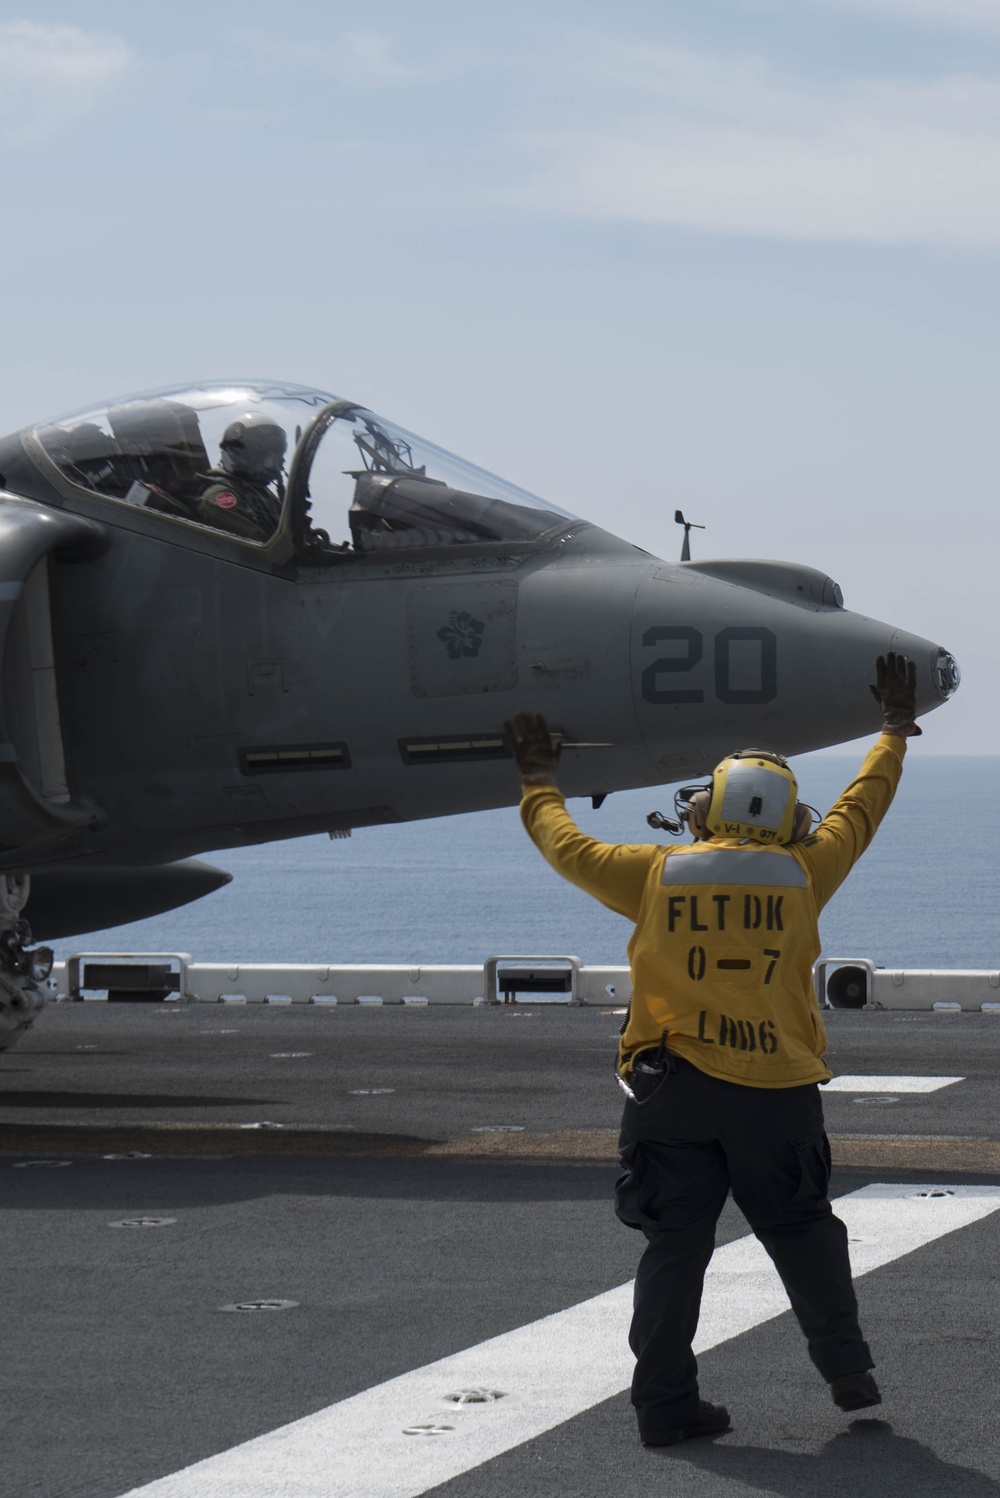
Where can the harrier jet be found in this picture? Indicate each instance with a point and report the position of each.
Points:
(237, 612)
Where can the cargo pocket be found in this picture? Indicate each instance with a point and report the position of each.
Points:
(814, 1167)
(627, 1190)
(652, 1194)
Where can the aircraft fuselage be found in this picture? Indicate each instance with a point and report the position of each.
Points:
(325, 626)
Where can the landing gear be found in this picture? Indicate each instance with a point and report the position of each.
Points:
(24, 971)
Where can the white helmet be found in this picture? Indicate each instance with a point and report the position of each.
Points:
(253, 446)
(752, 796)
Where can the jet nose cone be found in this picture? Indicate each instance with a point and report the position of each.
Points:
(945, 674)
(938, 675)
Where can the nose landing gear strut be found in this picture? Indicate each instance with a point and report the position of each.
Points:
(24, 970)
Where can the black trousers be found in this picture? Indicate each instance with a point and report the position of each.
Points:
(687, 1140)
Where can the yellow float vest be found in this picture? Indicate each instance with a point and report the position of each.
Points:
(722, 962)
(726, 933)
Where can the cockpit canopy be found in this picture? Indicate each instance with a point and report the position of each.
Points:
(239, 458)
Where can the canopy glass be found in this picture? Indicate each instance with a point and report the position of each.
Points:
(234, 456)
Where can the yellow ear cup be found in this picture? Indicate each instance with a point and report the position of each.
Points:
(802, 825)
(698, 812)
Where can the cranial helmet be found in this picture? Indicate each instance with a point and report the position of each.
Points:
(753, 795)
(254, 446)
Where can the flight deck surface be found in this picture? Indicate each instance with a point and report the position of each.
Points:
(422, 1182)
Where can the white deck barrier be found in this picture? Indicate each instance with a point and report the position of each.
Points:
(840, 982)
(857, 983)
(360, 983)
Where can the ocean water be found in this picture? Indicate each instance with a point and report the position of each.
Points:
(460, 889)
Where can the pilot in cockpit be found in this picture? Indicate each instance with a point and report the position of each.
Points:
(245, 492)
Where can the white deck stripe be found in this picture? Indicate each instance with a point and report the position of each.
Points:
(550, 1371)
(890, 1084)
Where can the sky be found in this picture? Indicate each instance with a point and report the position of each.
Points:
(738, 257)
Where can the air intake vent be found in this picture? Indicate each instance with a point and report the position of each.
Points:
(289, 757)
(450, 748)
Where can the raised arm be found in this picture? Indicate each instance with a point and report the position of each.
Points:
(851, 823)
(613, 874)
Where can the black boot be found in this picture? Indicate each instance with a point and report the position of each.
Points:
(855, 1391)
(711, 1420)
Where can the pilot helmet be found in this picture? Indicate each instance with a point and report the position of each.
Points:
(253, 446)
(753, 796)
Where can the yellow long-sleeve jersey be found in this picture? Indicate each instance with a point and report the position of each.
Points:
(726, 933)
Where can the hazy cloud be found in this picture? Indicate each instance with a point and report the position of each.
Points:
(979, 15)
(51, 74)
(370, 56)
(730, 145)
(357, 59)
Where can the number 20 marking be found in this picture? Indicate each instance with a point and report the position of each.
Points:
(694, 644)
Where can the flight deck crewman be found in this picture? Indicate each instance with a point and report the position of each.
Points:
(239, 497)
(723, 1045)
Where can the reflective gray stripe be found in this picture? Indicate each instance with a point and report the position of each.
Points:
(9, 591)
(735, 866)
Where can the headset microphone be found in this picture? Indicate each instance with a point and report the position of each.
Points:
(664, 824)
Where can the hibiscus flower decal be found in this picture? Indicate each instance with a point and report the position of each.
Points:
(463, 635)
